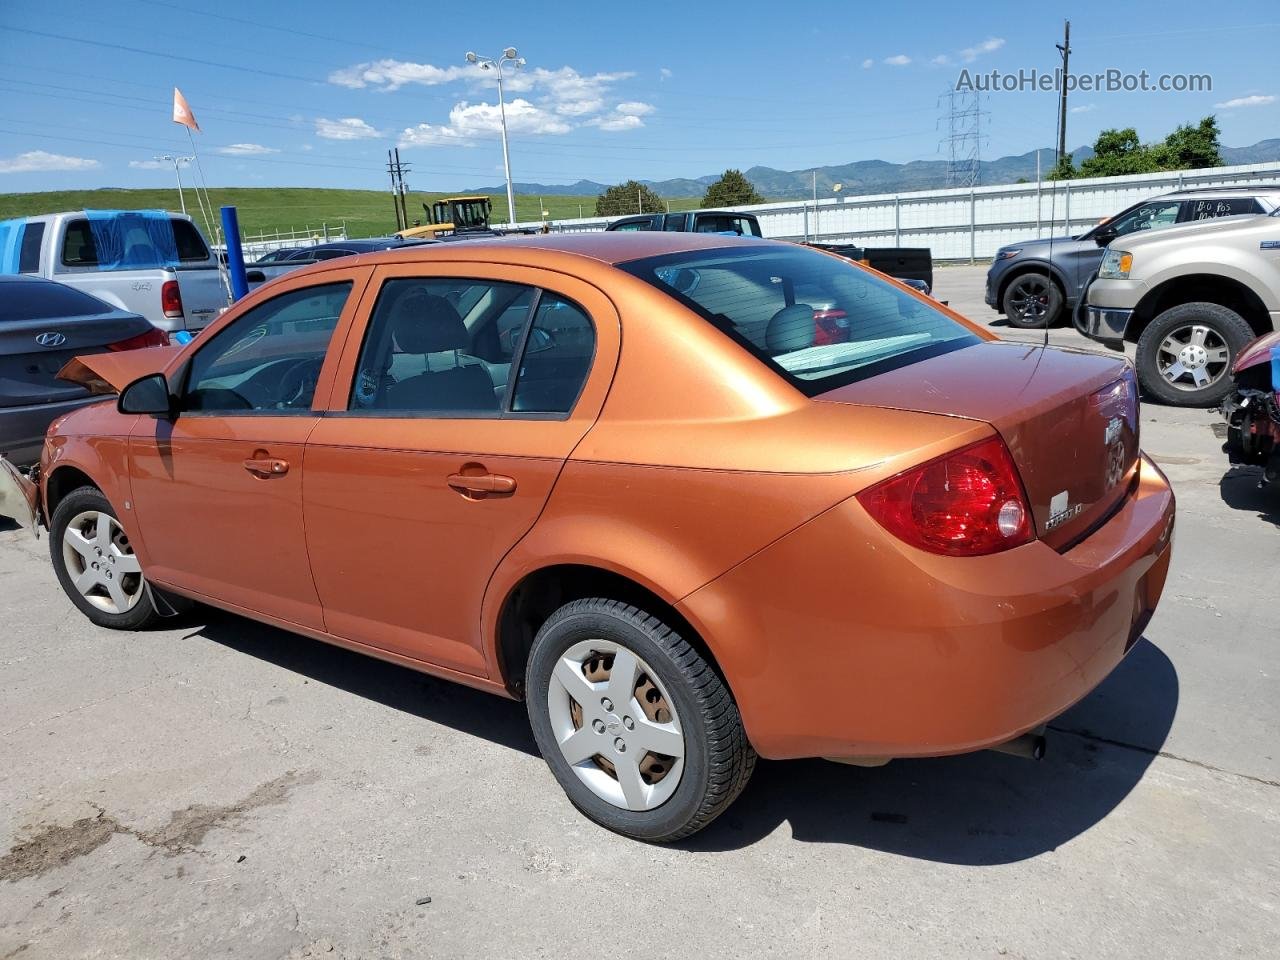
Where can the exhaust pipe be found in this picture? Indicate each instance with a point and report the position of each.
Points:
(1030, 745)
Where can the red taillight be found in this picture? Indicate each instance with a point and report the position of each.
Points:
(830, 326)
(171, 300)
(152, 338)
(965, 504)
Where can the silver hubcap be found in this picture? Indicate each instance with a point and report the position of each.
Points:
(1192, 357)
(101, 563)
(615, 725)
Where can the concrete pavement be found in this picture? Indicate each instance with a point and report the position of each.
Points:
(224, 789)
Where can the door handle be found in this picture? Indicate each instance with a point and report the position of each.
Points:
(264, 467)
(477, 485)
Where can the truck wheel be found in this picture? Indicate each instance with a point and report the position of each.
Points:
(1185, 354)
(96, 564)
(633, 722)
(1032, 301)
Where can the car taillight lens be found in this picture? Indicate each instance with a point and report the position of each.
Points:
(830, 326)
(965, 504)
(171, 299)
(152, 338)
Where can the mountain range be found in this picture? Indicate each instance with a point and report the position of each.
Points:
(867, 176)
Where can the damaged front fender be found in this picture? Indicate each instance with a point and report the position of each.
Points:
(19, 497)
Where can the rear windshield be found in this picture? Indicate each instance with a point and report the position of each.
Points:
(43, 300)
(817, 320)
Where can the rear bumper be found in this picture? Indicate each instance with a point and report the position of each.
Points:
(911, 654)
(22, 429)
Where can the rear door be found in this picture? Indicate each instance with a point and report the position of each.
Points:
(452, 414)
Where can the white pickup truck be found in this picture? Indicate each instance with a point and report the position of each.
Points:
(149, 262)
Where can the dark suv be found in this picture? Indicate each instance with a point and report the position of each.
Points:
(692, 221)
(1037, 283)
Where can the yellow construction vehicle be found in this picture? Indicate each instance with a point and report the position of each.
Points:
(453, 216)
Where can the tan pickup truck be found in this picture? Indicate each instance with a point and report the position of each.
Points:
(1191, 297)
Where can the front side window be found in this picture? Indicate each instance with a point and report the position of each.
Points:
(1148, 216)
(818, 321)
(453, 347)
(269, 359)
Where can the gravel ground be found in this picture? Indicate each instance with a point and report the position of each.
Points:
(228, 790)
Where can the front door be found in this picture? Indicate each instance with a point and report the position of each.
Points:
(218, 488)
(464, 395)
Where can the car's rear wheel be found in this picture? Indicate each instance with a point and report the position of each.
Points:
(1185, 354)
(636, 726)
(95, 562)
(1032, 301)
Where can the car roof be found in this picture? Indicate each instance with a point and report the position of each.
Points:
(603, 246)
(1231, 190)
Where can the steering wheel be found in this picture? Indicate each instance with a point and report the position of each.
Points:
(298, 384)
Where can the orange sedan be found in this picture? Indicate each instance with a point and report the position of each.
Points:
(632, 480)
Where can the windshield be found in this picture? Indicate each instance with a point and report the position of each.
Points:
(816, 319)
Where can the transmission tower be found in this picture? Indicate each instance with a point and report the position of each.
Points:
(962, 119)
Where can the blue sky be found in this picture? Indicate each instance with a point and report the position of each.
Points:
(313, 94)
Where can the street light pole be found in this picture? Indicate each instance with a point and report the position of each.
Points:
(177, 173)
(510, 56)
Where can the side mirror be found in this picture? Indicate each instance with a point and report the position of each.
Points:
(149, 395)
(1103, 236)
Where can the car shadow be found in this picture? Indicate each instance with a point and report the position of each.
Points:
(1240, 491)
(7, 524)
(460, 707)
(981, 808)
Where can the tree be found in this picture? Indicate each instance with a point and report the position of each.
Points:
(1064, 169)
(731, 190)
(1120, 152)
(629, 197)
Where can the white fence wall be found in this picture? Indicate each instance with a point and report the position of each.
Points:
(969, 224)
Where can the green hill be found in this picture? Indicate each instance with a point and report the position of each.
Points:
(367, 213)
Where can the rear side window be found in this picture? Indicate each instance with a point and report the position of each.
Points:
(29, 256)
(191, 247)
(557, 357)
(77, 245)
(1229, 207)
(722, 223)
(43, 299)
(816, 320)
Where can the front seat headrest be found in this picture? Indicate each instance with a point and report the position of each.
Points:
(790, 329)
(423, 323)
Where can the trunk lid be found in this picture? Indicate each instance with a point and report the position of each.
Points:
(32, 352)
(1069, 418)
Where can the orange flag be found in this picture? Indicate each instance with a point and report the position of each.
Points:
(182, 112)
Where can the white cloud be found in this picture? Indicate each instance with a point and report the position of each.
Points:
(470, 121)
(868, 63)
(664, 73)
(898, 60)
(246, 150)
(990, 45)
(348, 128)
(1256, 100)
(150, 164)
(390, 74)
(634, 108)
(941, 60)
(40, 161)
(1084, 108)
(617, 122)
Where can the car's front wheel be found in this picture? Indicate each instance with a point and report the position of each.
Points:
(1032, 301)
(634, 723)
(95, 562)
(1185, 354)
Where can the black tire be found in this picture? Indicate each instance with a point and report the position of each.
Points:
(718, 759)
(1032, 291)
(142, 614)
(1223, 323)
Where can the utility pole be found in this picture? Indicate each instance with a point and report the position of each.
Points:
(395, 191)
(1064, 48)
(639, 200)
(816, 234)
(399, 190)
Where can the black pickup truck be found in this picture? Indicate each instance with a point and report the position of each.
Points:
(692, 221)
(902, 263)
